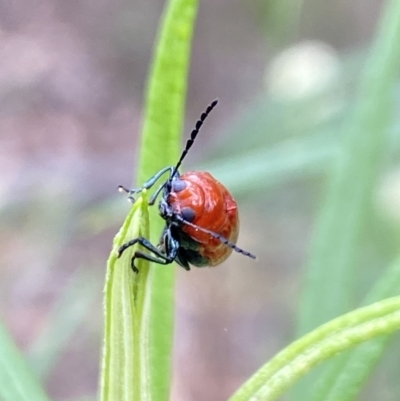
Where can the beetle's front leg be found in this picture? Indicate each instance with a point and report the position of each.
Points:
(148, 184)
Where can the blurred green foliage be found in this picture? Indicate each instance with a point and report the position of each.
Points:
(274, 148)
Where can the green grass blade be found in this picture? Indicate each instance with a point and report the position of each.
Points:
(346, 376)
(162, 134)
(17, 382)
(330, 271)
(166, 94)
(326, 341)
(141, 361)
(125, 368)
(263, 168)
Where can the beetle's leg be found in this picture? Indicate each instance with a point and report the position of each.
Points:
(159, 259)
(171, 244)
(171, 180)
(159, 256)
(148, 184)
(156, 193)
(141, 241)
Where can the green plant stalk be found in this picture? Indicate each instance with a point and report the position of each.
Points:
(125, 371)
(265, 167)
(166, 92)
(139, 309)
(161, 144)
(17, 383)
(330, 271)
(346, 377)
(321, 344)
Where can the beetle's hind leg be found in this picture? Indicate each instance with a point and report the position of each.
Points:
(158, 257)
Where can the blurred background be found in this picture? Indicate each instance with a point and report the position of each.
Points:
(72, 76)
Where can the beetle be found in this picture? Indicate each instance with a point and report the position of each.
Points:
(202, 220)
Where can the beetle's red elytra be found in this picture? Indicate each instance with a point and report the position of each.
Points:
(202, 219)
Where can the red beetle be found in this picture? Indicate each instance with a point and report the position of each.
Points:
(202, 220)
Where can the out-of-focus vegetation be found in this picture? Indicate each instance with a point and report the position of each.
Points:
(287, 75)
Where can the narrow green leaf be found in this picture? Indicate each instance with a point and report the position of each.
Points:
(166, 94)
(346, 376)
(17, 382)
(265, 167)
(125, 367)
(161, 144)
(330, 271)
(162, 134)
(298, 358)
(140, 369)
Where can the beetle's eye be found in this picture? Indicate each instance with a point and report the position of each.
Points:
(188, 214)
(178, 185)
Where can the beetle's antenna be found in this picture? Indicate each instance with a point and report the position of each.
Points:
(218, 236)
(193, 135)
